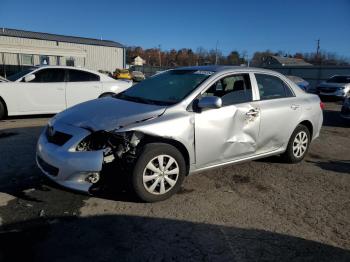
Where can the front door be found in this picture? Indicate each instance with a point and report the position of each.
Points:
(229, 132)
(45, 93)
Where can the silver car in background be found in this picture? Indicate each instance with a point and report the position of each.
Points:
(336, 86)
(179, 122)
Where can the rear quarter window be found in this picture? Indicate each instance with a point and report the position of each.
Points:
(82, 76)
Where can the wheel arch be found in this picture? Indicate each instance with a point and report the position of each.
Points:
(5, 106)
(308, 125)
(147, 139)
(106, 94)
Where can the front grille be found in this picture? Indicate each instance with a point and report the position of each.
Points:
(51, 170)
(57, 138)
(327, 90)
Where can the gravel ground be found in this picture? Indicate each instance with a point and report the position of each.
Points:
(256, 211)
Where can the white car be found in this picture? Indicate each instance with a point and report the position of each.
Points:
(51, 89)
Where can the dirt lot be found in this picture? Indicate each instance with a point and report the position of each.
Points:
(257, 211)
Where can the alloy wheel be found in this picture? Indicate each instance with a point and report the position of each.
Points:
(160, 174)
(300, 144)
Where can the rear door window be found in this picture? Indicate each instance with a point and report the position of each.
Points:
(49, 75)
(81, 76)
(272, 87)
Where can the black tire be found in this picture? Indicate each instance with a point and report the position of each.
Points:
(289, 156)
(150, 152)
(2, 110)
(106, 95)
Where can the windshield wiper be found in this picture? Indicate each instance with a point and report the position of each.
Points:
(135, 99)
(142, 100)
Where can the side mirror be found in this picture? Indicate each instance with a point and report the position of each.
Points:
(29, 78)
(209, 102)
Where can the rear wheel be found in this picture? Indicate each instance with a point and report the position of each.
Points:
(106, 95)
(158, 173)
(2, 110)
(298, 145)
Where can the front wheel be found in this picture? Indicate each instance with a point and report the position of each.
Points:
(298, 145)
(159, 172)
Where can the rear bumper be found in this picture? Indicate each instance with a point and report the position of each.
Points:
(64, 165)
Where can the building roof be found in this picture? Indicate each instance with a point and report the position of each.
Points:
(291, 61)
(57, 38)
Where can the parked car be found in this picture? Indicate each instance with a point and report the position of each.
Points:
(345, 110)
(137, 76)
(303, 84)
(51, 89)
(182, 121)
(122, 74)
(336, 86)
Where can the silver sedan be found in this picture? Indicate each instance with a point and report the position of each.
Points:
(176, 123)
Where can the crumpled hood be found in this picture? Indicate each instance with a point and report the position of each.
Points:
(107, 114)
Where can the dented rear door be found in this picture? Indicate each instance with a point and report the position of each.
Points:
(227, 133)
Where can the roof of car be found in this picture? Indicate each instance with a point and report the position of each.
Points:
(219, 68)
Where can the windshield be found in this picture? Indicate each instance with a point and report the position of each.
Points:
(167, 88)
(18, 75)
(339, 79)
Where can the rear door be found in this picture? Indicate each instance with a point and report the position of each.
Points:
(44, 94)
(279, 109)
(229, 132)
(82, 86)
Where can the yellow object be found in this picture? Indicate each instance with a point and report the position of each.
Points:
(122, 74)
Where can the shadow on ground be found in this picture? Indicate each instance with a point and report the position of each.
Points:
(340, 166)
(131, 238)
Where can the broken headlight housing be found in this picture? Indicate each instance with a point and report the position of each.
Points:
(113, 144)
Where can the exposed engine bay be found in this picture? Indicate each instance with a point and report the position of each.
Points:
(120, 150)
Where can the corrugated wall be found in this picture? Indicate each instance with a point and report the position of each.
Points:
(97, 57)
(313, 74)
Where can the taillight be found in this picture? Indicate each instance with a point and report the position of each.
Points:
(322, 105)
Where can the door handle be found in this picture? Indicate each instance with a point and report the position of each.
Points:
(252, 112)
(60, 88)
(294, 106)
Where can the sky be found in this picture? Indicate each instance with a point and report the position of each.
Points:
(247, 25)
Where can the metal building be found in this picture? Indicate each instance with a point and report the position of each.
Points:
(20, 49)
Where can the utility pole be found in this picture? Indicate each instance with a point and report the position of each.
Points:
(160, 58)
(318, 50)
(318, 47)
(216, 52)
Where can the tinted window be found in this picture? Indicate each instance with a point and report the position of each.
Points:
(18, 75)
(82, 76)
(49, 76)
(233, 89)
(271, 87)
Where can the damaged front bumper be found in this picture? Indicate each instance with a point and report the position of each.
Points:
(66, 166)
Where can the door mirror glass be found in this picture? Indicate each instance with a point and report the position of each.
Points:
(29, 78)
(210, 102)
